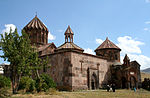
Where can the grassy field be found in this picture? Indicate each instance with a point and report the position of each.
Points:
(90, 94)
(144, 75)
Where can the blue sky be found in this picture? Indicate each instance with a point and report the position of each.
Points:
(125, 22)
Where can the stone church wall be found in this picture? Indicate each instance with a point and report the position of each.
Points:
(70, 69)
(81, 63)
(60, 68)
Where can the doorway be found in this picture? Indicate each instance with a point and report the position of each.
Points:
(123, 82)
(132, 82)
(94, 81)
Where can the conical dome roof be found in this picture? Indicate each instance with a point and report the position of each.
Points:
(35, 23)
(126, 57)
(68, 31)
(107, 44)
(69, 45)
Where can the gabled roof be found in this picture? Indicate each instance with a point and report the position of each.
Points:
(69, 45)
(126, 57)
(35, 23)
(43, 47)
(68, 31)
(107, 44)
(134, 63)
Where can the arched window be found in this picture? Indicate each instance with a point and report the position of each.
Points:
(116, 57)
(43, 37)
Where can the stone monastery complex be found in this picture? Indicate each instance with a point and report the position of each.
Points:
(74, 69)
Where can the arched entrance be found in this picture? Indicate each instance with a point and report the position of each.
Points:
(123, 79)
(94, 81)
(132, 82)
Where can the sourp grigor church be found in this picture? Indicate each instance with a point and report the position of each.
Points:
(76, 70)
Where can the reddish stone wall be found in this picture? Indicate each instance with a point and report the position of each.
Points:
(66, 69)
(80, 65)
(37, 37)
(109, 54)
(60, 68)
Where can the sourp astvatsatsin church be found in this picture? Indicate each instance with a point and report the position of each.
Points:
(76, 70)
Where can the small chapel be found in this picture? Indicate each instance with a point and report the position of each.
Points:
(74, 69)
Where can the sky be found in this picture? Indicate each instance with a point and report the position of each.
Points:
(125, 22)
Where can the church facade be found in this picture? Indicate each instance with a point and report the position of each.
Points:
(74, 69)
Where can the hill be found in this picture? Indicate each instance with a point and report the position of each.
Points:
(146, 70)
(144, 75)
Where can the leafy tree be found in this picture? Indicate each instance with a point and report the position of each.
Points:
(22, 56)
(4, 82)
(27, 84)
(48, 80)
(44, 83)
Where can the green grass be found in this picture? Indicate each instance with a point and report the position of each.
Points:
(90, 94)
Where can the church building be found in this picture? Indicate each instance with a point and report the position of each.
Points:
(76, 70)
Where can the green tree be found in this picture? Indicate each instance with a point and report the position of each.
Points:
(22, 56)
(4, 82)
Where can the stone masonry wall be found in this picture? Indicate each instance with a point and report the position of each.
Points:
(71, 69)
(60, 68)
(81, 63)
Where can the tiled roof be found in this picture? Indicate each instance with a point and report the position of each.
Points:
(134, 63)
(35, 23)
(108, 44)
(126, 57)
(117, 63)
(41, 48)
(68, 31)
(69, 45)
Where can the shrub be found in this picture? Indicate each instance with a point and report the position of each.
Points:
(27, 84)
(4, 93)
(4, 82)
(44, 83)
(51, 91)
(40, 85)
(48, 80)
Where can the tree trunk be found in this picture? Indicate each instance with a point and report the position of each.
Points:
(18, 81)
(14, 78)
(37, 74)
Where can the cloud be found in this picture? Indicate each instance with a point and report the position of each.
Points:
(144, 61)
(51, 37)
(147, 1)
(89, 51)
(147, 22)
(129, 45)
(146, 29)
(99, 41)
(7, 28)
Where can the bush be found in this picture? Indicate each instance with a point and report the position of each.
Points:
(44, 83)
(48, 80)
(4, 93)
(40, 85)
(51, 91)
(27, 84)
(4, 82)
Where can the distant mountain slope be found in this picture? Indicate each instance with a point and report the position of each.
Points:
(146, 70)
(144, 75)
